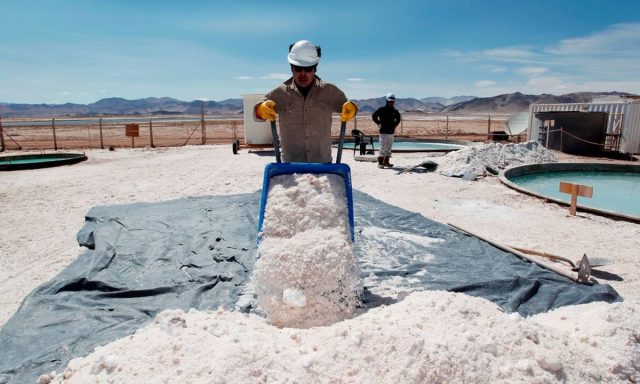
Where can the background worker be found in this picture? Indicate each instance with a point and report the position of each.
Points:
(387, 118)
(304, 104)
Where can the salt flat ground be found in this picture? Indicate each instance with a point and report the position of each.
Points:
(42, 210)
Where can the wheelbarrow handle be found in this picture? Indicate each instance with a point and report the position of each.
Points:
(343, 128)
(276, 141)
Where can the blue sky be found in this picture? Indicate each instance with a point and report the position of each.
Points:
(81, 51)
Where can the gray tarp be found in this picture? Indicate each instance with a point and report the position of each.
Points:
(199, 253)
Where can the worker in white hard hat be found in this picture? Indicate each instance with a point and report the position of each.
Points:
(387, 118)
(304, 105)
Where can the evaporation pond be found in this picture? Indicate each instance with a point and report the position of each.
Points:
(32, 160)
(612, 191)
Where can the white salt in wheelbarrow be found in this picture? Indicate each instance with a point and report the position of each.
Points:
(280, 168)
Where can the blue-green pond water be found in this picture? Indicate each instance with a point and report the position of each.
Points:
(612, 191)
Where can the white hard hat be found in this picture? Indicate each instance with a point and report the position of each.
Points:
(391, 97)
(304, 54)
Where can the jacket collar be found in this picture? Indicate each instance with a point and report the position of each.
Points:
(292, 85)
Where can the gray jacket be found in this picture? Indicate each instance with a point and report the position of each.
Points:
(305, 123)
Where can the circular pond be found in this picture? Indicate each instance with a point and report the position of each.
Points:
(20, 162)
(616, 187)
(415, 145)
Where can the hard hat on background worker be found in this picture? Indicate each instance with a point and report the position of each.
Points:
(391, 97)
(304, 53)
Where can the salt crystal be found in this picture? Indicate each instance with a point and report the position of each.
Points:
(525, 365)
(294, 297)
(550, 363)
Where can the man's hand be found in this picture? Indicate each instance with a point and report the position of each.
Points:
(266, 110)
(349, 110)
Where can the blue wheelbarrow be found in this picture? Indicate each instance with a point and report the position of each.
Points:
(280, 168)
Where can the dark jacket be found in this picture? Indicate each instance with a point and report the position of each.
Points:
(388, 118)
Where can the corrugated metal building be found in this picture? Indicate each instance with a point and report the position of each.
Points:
(623, 126)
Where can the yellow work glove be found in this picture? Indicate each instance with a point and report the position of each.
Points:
(267, 110)
(349, 110)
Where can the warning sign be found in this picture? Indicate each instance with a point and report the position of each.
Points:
(132, 130)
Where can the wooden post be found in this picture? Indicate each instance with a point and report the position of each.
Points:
(204, 128)
(101, 141)
(549, 127)
(2, 147)
(575, 190)
(53, 127)
(489, 129)
(446, 135)
(401, 127)
(151, 133)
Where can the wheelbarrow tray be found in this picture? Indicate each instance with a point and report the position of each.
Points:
(276, 169)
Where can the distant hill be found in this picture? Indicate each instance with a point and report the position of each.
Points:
(409, 104)
(507, 103)
(518, 102)
(120, 106)
(447, 101)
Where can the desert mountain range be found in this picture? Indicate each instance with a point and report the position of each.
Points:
(507, 103)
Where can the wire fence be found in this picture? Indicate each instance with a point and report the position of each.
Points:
(153, 131)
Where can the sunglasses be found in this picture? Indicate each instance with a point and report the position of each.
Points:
(303, 69)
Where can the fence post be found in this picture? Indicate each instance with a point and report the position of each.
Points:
(446, 135)
(489, 129)
(204, 128)
(151, 133)
(101, 140)
(2, 147)
(55, 141)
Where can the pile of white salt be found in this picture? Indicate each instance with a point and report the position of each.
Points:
(429, 337)
(306, 274)
(471, 161)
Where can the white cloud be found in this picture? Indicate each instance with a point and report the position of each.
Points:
(485, 83)
(355, 79)
(508, 53)
(605, 60)
(558, 85)
(619, 39)
(532, 71)
(243, 78)
(547, 85)
(495, 68)
(514, 54)
(276, 76)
